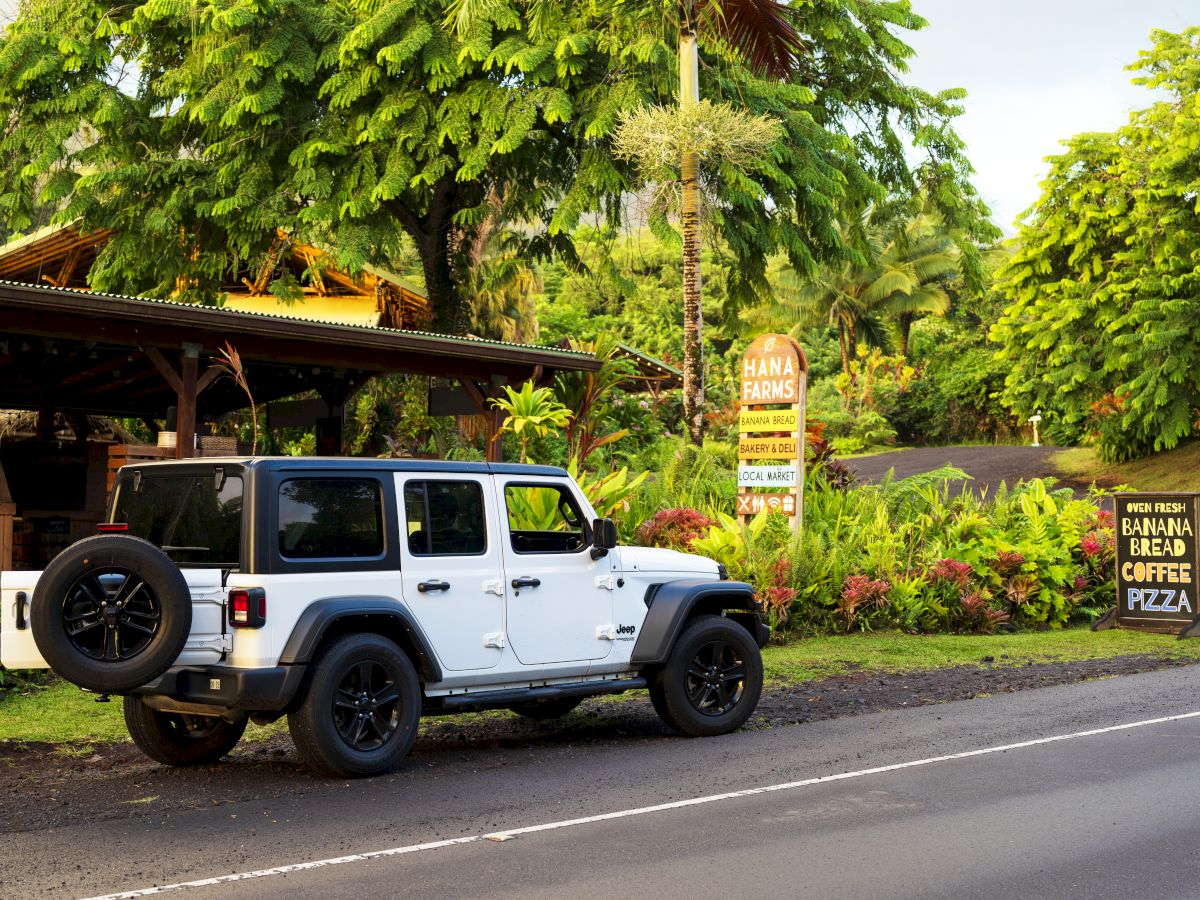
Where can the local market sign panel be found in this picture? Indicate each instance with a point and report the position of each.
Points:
(767, 476)
(771, 427)
(1158, 564)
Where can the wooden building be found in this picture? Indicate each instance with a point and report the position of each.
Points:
(71, 354)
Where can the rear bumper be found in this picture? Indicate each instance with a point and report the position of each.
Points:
(764, 634)
(254, 690)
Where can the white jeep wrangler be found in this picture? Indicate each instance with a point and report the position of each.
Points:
(355, 595)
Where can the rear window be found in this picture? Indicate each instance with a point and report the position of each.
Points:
(330, 518)
(195, 520)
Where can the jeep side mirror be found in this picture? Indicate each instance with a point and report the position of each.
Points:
(604, 537)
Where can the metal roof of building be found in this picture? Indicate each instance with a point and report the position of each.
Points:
(236, 314)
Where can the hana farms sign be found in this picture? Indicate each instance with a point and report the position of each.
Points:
(771, 427)
(771, 371)
(1158, 567)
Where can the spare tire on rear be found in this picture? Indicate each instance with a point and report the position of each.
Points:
(111, 612)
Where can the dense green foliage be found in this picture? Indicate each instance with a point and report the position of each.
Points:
(1103, 330)
(913, 554)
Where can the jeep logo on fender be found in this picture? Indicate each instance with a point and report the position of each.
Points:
(625, 632)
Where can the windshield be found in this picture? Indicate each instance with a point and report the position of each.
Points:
(193, 520)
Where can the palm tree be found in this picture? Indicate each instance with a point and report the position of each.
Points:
(762, 34)
(913, 270)
(899, 275)
(501, 290)
(500, 286)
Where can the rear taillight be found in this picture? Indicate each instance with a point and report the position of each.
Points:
(247, 607)
(112, 526)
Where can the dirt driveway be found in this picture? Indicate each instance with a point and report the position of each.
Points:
(988, 465)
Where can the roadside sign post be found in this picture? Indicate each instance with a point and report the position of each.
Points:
(1157, 563)
(771, 425)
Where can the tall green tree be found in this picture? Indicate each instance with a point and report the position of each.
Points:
(196, 129)
(1102, 330)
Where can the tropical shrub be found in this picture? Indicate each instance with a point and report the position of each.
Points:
(917, 554)
(673, 528)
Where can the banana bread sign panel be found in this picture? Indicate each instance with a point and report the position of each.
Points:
(1158, 581)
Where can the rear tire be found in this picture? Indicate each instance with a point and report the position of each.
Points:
(179, 740)
(712, 679)
(111, 613)
(360, 714)
(546, 710)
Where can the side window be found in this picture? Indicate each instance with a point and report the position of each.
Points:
(544, 518)
(330, 518)
(444, 518)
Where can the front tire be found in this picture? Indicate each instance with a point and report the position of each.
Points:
(712, 679)
(360, 715)
(179, 740)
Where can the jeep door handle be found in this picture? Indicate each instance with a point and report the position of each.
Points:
(525, 581)
(426, 586)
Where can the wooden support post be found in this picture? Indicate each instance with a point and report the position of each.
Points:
(187, 385)
(45, 418)
(8, 511)
(185, 438)
(495, 445)
(493, 418)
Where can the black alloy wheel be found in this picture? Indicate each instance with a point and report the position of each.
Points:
(360, 708)
(366, 706)
(180, 740)
(711, 680)
(111, 614)
(716, 678)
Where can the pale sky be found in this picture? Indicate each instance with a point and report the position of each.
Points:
(1037, 71)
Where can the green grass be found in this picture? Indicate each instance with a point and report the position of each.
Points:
(1172, 470)
(60, 713)
(874, 451)
(893, 652)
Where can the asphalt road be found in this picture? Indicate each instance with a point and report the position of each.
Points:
(1102, 815)
(987, 465)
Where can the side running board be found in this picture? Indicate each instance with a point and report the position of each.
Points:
(548, 692)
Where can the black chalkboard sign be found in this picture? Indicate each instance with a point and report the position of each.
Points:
(1158, 566)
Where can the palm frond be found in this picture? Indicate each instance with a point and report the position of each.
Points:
(763, 32)
(887, 283)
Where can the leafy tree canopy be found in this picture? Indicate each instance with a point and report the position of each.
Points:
(197, 129)
(1103, 326)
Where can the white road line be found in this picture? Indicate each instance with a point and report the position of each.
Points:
(640, 811)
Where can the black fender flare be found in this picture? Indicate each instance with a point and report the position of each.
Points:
(316, 621)
(672, 603)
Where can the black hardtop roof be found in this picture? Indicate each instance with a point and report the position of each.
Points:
(356, 464)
